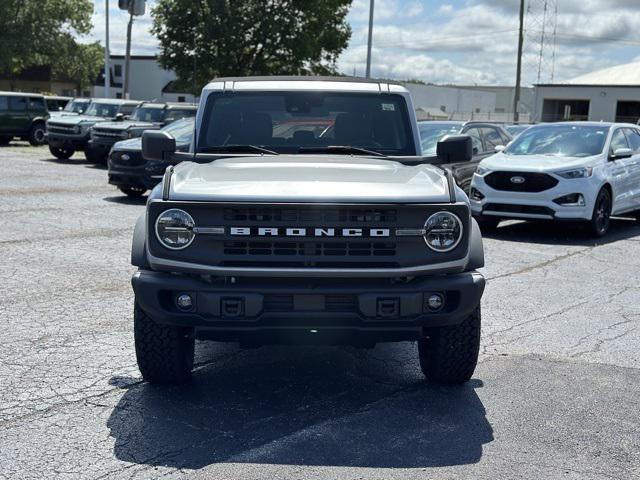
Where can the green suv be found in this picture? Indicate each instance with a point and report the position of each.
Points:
(22, 115)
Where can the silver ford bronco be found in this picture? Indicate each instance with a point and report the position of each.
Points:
(304, 212)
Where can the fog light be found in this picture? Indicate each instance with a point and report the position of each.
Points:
(435, 302)
(184, 301)
(476, 195)
(571, 200)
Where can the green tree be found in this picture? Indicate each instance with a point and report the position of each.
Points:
(216, 38)
(39, 32)
(78, 62)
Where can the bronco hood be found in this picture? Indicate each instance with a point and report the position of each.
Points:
(123, 125)
(308, 178)
(76, 119)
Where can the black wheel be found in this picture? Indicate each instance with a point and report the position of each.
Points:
(95, 157)
(36, 134)
(487, 224)
(449, 355)
(4, 141)
(601, 217)
(61, 152)
(133, 192)
(164, 352)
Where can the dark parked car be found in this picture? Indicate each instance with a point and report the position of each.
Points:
(133, 174)
(148, 116)
(484, 136)
(22, 115)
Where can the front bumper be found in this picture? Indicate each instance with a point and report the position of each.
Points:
(534, 205)
(75, 142)
(376, 310)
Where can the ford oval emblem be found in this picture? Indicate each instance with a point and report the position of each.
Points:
(126, 157)
(517, 180)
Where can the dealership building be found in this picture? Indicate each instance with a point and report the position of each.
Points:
(609, 95)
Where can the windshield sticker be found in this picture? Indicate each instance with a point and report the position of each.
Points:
(388, 107)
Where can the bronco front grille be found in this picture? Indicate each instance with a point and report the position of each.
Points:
(532, 182)
(331, 303)
(110, 134)
(63, 129)
(315, 249)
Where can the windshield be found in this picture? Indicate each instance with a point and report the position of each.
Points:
(98, 109)
(181, 130)
(76, 106)
(560, 141)
(432, 132)
(288, 122)
(152, 115)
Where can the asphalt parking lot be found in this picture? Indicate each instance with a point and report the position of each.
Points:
(555, 395)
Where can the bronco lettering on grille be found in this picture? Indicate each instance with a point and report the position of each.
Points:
(308, 232)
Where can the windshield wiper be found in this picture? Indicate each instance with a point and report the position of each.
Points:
(236, 149)
(344, 149)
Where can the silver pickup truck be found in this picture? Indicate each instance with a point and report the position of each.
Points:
(306, 213)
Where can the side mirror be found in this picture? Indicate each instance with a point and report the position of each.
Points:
(455, 148)
(119, 117)
(622, 153)
(499, 148)
(157, 145)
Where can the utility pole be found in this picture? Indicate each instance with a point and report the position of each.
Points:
(516, 93)
(368, 74)
(107, 79)
(127, 58)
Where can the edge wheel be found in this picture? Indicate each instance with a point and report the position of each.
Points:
(601, 217)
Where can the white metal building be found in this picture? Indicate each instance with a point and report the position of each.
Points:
(147, 81)
(608, 95)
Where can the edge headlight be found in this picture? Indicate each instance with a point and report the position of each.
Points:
(576, 173)
(174, 229)
(482, 170)
(443, 231)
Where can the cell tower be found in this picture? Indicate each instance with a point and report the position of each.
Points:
(541, 25)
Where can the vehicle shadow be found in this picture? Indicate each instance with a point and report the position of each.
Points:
(126, 200)
(559, 233)
(303, 406)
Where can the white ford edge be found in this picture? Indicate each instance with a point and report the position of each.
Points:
(580, 171)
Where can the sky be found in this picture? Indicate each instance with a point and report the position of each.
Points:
(470, 42)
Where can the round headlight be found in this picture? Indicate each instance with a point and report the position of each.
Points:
(443, 232)
(174, 229)
(77, 129)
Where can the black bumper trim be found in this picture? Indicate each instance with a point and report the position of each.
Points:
(156, 292)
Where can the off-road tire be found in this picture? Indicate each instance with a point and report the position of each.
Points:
(600, 221)
(133, 192)
(164, 352)
(95, 157)
(449, 355)
(61, 153)
(36, 134)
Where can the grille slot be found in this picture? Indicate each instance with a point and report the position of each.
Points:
(107, 133)
(311, 249)
(332, 303)
(318, 215)
(533, 182)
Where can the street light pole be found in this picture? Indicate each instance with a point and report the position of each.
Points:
(516, 93)
(107, 79)
(368, 74)
(127, 59)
